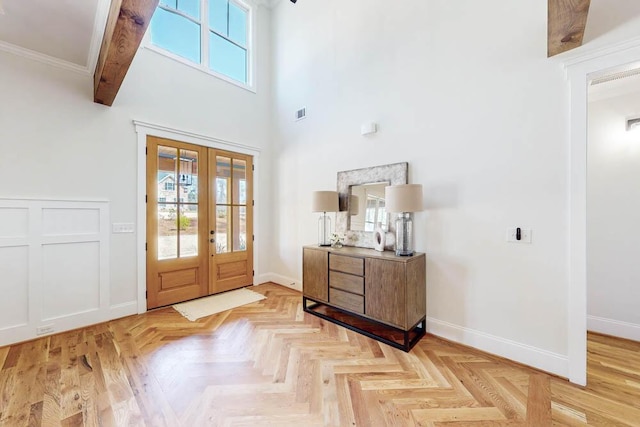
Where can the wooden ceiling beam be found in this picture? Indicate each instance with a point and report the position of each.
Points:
(127, 22)
(567, 20)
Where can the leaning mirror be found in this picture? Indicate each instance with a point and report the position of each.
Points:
(362, 205)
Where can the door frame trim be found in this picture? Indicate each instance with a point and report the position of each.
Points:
(578, 71)
(144, 129)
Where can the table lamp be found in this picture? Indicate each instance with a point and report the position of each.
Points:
(324, 201)
(404, 200)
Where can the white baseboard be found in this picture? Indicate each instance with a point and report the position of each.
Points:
(262, 278)
(280, 280)
(532, 356)
(27, 332)
(616, 328)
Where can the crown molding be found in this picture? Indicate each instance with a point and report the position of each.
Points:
(584, 54)
(44, 59)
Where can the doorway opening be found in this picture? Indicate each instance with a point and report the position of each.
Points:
(613, 204)
(580, 71)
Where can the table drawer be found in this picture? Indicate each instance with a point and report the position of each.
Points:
(346, 282)
(346, 264)
(346, 300)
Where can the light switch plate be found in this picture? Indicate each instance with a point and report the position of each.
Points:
(122, 227)
(525, 235)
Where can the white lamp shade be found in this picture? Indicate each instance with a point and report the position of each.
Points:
(403, 198)
(325, 201)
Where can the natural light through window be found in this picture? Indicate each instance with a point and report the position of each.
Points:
(210, 33)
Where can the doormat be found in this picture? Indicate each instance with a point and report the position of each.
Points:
(202, 307)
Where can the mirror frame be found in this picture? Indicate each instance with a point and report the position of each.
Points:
(395, 174)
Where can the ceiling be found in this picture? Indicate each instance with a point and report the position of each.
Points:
(68, 33)
(64, 32)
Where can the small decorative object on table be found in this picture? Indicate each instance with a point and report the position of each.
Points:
(379, 238)
(337, 240)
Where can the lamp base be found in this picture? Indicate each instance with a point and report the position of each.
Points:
(324, 230)
(404, 253)
(404, 234)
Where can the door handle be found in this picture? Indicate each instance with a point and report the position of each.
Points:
(212, 240)
(212, 232)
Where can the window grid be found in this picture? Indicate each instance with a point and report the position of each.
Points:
(180, 13)
(205, 28)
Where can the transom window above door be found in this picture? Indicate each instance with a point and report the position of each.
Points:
(213, 35)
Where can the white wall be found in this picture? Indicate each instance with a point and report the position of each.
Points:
(56, 143)
(611, 21)
(464, 92)
(613, 209)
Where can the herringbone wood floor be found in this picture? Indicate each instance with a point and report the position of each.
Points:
(269, 363)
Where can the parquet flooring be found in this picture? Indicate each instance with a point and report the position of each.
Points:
(269, 363)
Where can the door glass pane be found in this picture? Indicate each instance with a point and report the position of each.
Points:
(188, 222)
(239, 228)
(167, 230)
(223, 229)
(167, 191)
(239, 182)
(227, 58)
(188, 177)
(223, 176)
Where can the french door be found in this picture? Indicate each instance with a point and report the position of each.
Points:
(231, 218)
(199, 221)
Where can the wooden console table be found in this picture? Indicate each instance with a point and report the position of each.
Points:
(378, 294)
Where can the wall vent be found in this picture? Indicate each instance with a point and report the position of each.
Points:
(615, 76)
(301, 113)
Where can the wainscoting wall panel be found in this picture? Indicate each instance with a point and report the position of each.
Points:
(70, 221)
(15, 223)
(14, 305)
(72, 285)
(54, 264)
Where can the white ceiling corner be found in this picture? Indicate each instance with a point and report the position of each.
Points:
(41, 57)
(63, 33)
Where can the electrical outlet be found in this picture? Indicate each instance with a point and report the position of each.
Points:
(44, 330)
(512, 235)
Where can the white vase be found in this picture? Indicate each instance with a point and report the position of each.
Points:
(379, 239)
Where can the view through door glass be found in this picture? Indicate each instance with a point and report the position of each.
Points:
(177, 203)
